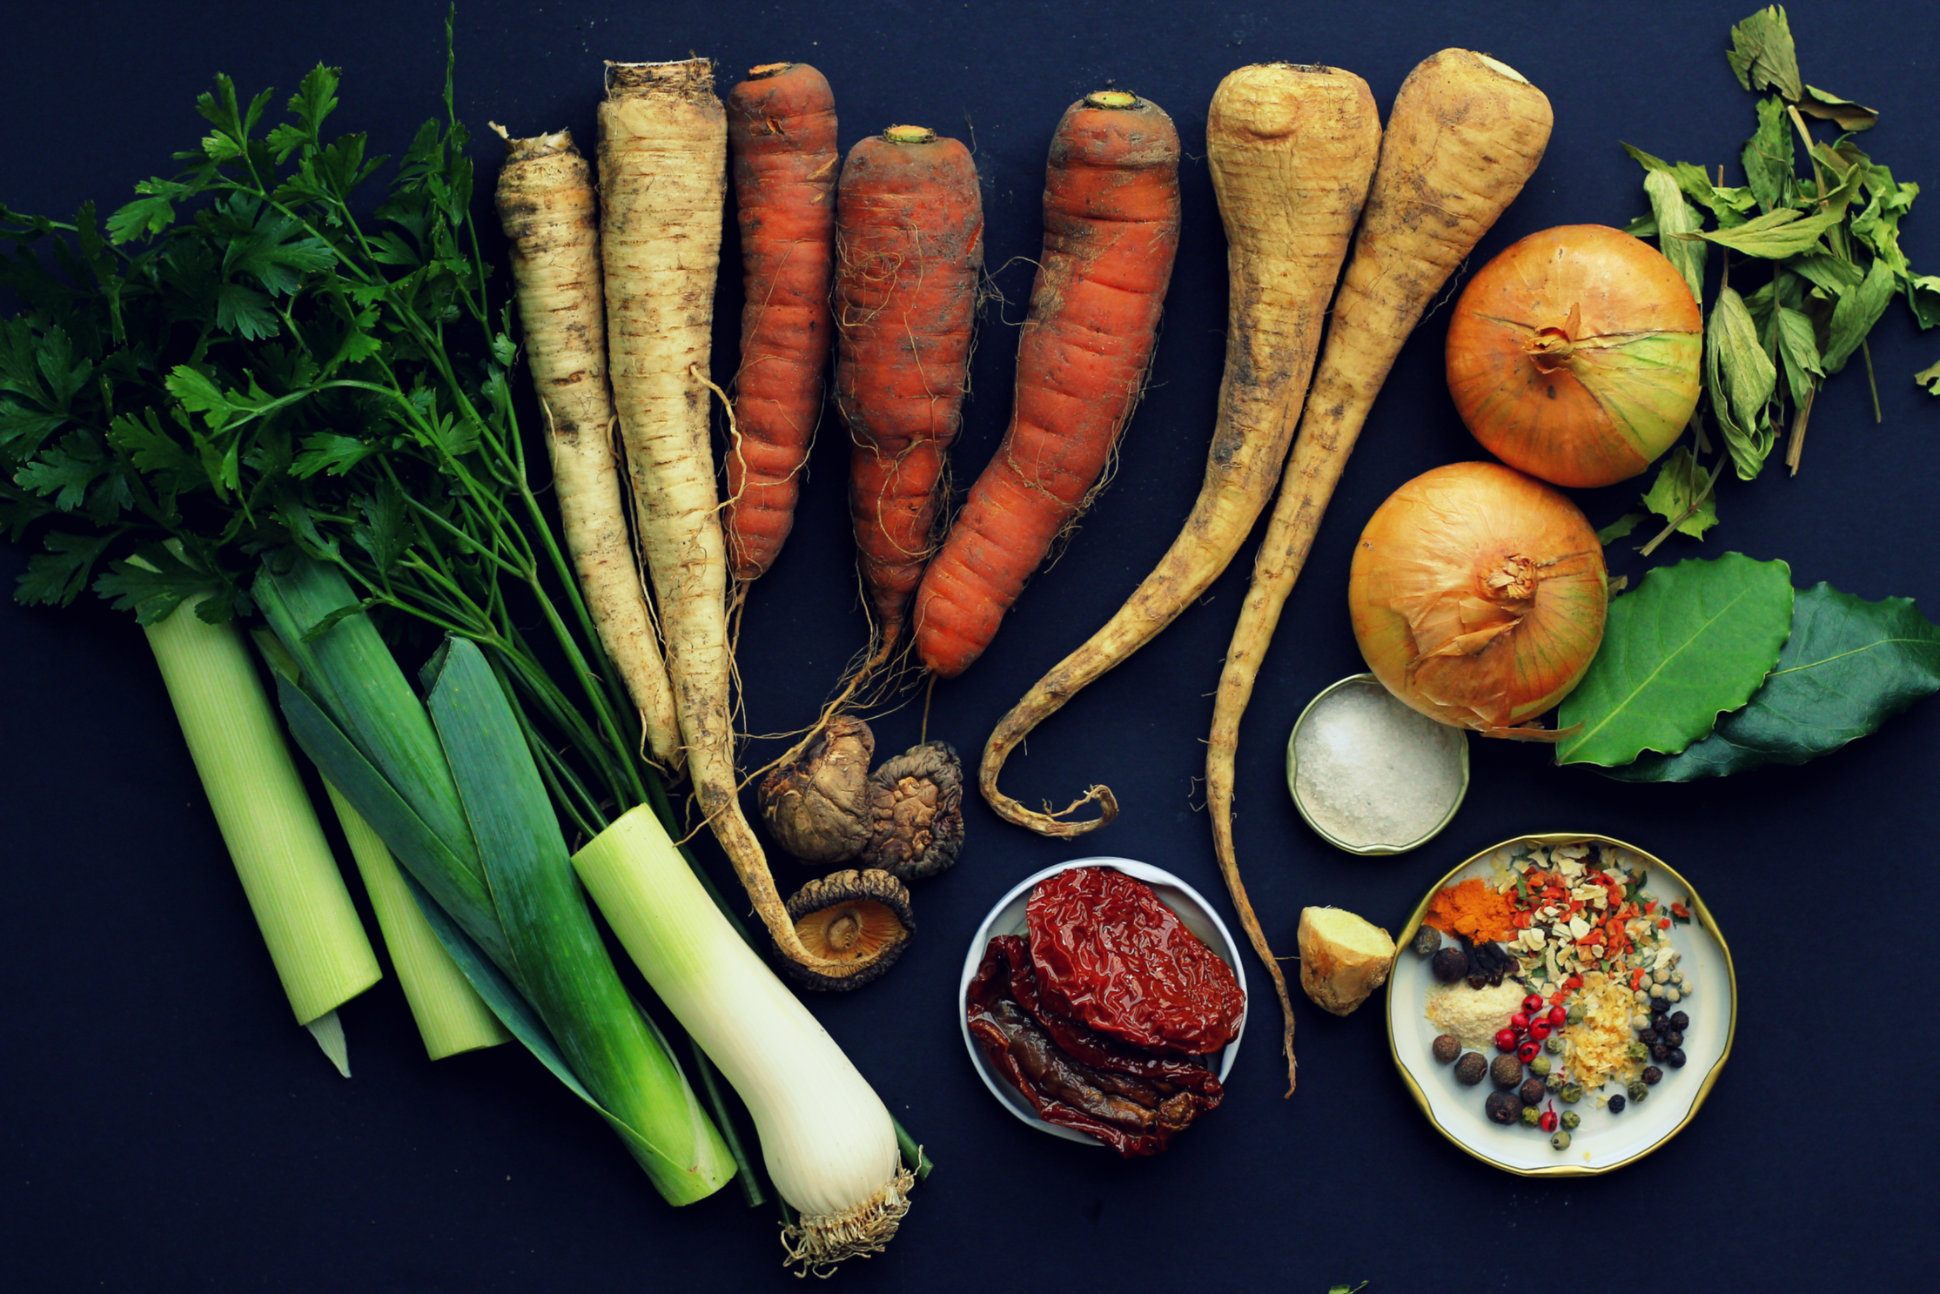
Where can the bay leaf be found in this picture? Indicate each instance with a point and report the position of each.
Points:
(1849, 666)
(1692, 641)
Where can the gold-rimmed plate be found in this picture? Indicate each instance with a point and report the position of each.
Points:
(1604, 1141)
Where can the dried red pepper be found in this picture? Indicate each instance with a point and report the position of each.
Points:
(1110, 954)
(1072, 1077)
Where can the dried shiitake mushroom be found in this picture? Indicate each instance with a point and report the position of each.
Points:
(817, 805)
(916, 812)
(858, 919)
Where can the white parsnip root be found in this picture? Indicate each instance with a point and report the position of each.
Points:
(550, 212)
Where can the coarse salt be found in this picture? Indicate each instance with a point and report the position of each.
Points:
(1369, 772)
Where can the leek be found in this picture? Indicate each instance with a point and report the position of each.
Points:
(506, 904)
(264, 812)
(450, 1016)
(827, 1140)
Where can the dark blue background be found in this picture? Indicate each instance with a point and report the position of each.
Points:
(163, 1125)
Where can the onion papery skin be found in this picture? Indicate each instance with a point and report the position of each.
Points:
(1478, 597)
(1575, 355)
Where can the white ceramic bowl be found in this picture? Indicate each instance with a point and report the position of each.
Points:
(1605, 1141)
(1007, 918)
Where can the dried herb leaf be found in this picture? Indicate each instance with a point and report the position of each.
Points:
(1740, 378)
(1776, 234)
(1930, 379)
(1849, 666)
(1682, 496)
(1830, 107)
(1768, 157)
(1762, 53)
(1623, 525)
(1674, 218)
(1693, 640)
(1855, 314)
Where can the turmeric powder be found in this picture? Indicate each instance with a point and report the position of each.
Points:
(1474, 909)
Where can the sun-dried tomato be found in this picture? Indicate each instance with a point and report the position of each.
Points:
(1109, 953)
(1072, 1077)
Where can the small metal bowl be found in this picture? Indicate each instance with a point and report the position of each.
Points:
(1007, 918)
(1452, 741)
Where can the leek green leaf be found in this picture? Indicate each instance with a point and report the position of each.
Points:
(1692, 641)
(1848, 666)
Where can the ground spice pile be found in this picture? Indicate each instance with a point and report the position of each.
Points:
(1474, 909)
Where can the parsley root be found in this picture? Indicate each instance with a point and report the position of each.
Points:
(1464, 135)
(547, 204)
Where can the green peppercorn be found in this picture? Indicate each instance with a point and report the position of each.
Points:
(1531, 1115)
(1561, 1140)
(1570, 1094)
(1637, 1051)
(1638, 1089)
(1553, 1044)
(1571, 1119)
(1575, 1015)
(1540, 1067)
(1556, 1082)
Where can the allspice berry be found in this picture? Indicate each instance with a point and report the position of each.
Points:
(1470, 1069)
(1505, 1071)
(1447, 1048)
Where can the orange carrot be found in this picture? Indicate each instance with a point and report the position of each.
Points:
(781, 133)
(909, 245)
(1111, 229)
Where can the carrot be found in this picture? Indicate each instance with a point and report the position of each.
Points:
(1464, 135)
(1111, 230)
(1291, 150)
(909, 245)
(781, 135)
(547, 205)
(663, 171)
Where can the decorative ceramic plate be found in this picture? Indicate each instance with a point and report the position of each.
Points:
(1605, 1139)
(1007, 918)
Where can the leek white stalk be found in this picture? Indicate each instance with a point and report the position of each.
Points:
(288, 872)
(826, 1137)
(450, 1015)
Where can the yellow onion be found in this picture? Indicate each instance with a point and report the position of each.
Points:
(1478, 596)
(1574, 355)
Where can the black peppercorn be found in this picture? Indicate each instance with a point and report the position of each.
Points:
(1505, 1070)
(1503, 1107)
(1676, 1059)
(1616, 1104)
(1470, 1069)
(1450, 964)
(1675, 1038)
(1679, 1020)
(1648, 1037)
(1653, 1075)
(1447, 1048)
(1659, 1050)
